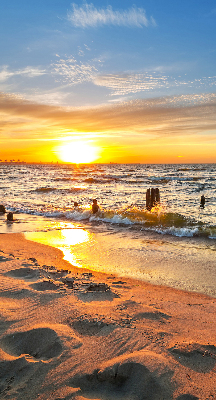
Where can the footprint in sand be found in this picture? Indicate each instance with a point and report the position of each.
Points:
(44, 285)
(199, 358)
(128, 380)
(15, 293)
(128, 304)
(14, 374)
(97, 292)
(187, 397)
(90, 327)
(24, 273)
(3, 259)
(157, 315)
(40, 343)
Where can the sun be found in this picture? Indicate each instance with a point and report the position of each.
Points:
(77, 152)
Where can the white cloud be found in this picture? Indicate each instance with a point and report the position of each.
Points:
(123, 84)
(90, 16)
(5, 74)
(165, 116)
(55, 98)
(130, 83)
(74, 72)
(30, 72)
(81, 53)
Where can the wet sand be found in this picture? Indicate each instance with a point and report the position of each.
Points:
(71, 333)
(182, 263)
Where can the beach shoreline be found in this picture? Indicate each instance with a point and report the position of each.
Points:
(86, 334)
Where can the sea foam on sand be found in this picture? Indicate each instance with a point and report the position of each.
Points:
(69, 333)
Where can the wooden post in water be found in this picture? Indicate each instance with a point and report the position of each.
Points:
(157, 196)
(2, 209)
(148, 199)
(152, 198)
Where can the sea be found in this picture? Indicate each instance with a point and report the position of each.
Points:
(166, 245)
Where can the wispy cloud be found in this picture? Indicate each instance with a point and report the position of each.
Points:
(30, 72)
(74, 72)
(159, 117)
(90, 16)
(53, 97)
(123, 84)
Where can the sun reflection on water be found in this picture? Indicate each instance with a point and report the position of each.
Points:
(64, 240)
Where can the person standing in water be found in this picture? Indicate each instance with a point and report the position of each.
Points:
(10, 217)
(202, 201)
(95, 206)
(77, 207)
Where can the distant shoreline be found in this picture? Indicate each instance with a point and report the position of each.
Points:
(95, 163)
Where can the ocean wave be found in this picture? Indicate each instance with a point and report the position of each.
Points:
(116, 219)
(97, 181)
(61, 190)
(44, 189)
(162, 181)
(63, 179)
(73, 190)
(167, 223)
(50, 190)
(135, 182)
(133, 216)
(180, 232)
(165, 179)
(177, 179)
(195, 178)
(192, 169)
(78, 215)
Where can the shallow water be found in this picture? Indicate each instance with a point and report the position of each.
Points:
(50, 191)
(180, 263)
(173, 244)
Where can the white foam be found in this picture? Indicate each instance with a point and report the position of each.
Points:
(180, 232)
(118, 219)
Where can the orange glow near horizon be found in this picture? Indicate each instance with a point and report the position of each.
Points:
(129, 133)
(77, 152)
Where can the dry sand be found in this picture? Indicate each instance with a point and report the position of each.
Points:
(66, 333)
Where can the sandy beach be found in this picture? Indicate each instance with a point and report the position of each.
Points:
(108, 200)
(69, 333)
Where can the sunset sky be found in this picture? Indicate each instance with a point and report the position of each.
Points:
(117, 81)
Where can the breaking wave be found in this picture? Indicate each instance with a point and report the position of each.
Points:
(156, 220)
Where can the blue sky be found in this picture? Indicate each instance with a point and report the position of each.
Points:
(110, 53)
